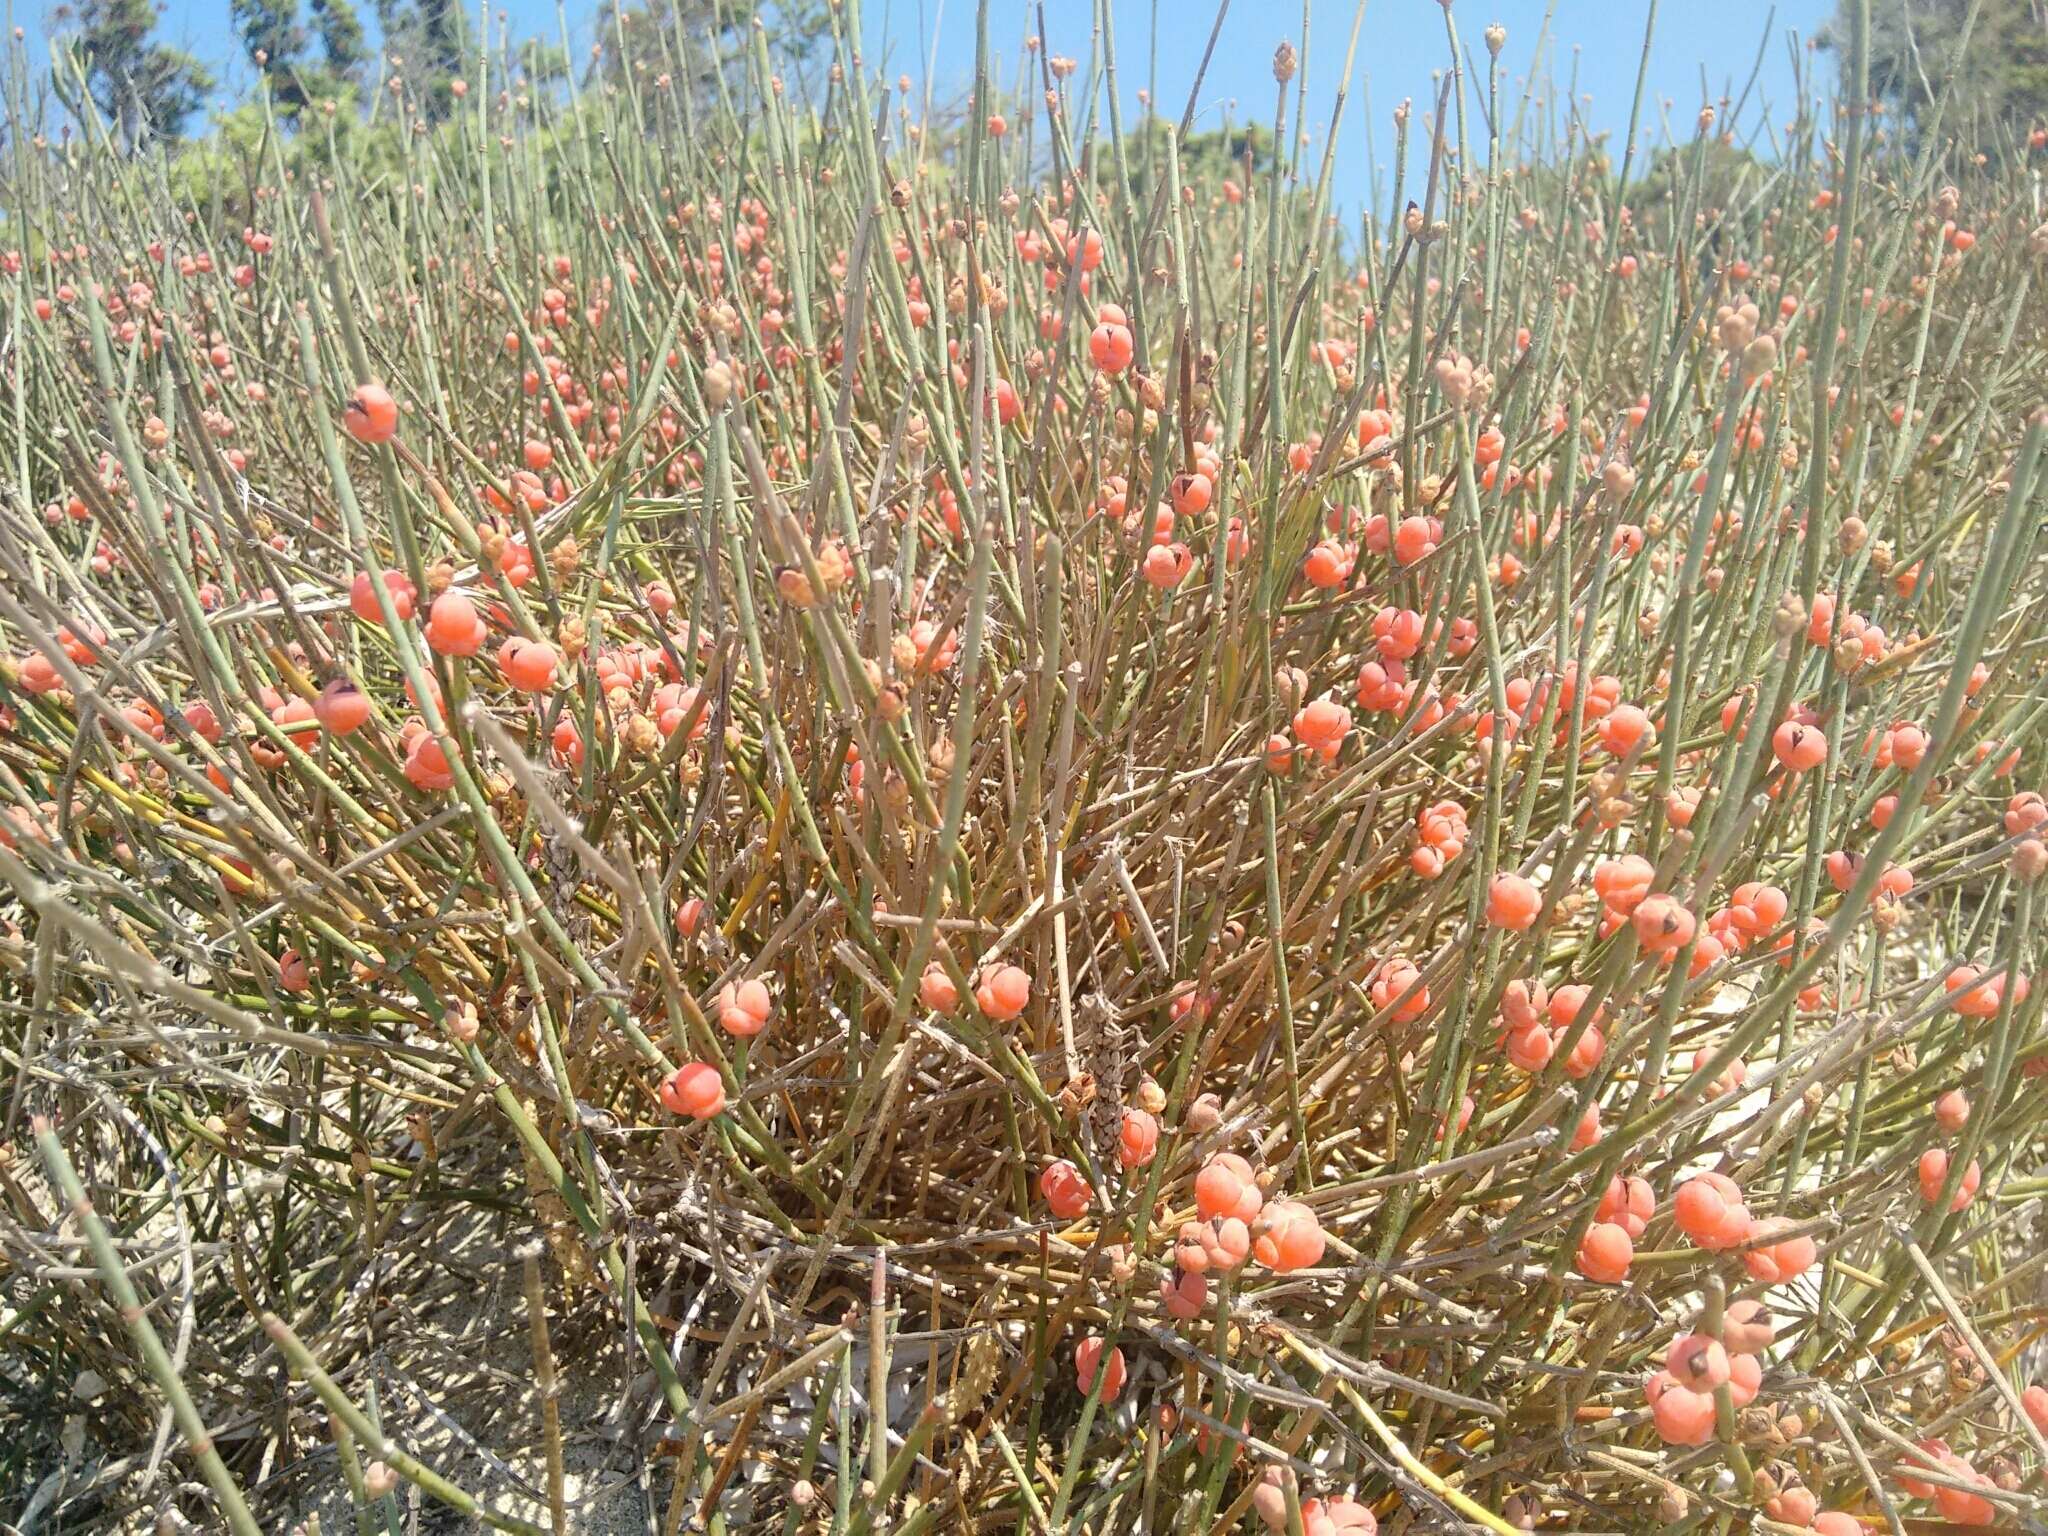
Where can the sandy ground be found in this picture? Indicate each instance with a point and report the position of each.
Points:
(452, 1381)
(456, 1389)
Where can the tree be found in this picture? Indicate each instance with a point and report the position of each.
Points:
(143, 86)
(693, 41)
(541, 64)
(282, 48)
(274, 40)
(341, 37)
(1205, 158)
(2002, 78)
(431, 37)
(1726, 169)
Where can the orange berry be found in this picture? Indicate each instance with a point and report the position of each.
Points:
(1732, 1076)
(935, 989)
(1220, 1243)
(1933, 1172)
(427, 765)
(1322, 725)
(453, 625)
(528, 665)
(1745, 1379)
(1185, 1294)
(1225, 1187)
(1138, 1139)
(1759, 908)
(1663, 925)
(371, 415)
(1416, 539)
(1843, 866)
(2034, 1402)
(1906, 746)
(1958, 1506)
(1327, 566)
(1682, 1416)
(1191, 494)
(1166, 565)
(1394, 980)
(1981, 999)
(1795, 1505)
(1587, 1132)
(1931, 1454)
(1605, 1253)
(362, 596)
(341, 708)
(1781, 1260)
(1087, 1356)
(1290, 1237)
(1513, 902)
(1625, 729)
(1799, 747)
(1623, 882)
(1746, 1327)
(1530, 1049)
(1064, 1189)
(744, 1008)
(1629, 1203)
(1002, 992)
(1110, 347)
(1698, 1362)
(2025, 812)
(693, 1089)
(1952, 1113)
(1522, 1004)
(38, 674)
(1708, 1208)
(1336, 1517)
(690, 917)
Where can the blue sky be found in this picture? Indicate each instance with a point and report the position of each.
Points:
(1400, 47)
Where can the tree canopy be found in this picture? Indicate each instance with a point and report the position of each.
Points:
(143, 86)
(2003, 74)
(282, 47)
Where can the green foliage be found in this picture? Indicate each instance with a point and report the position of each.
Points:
(1215, 156)
(2003, 74)
(1225, 151)
(333, 134)
(694, 41)
(1726, 171)
(142, 86)
(542, 63)
(280, 45)
(429, 39)
(341, 36)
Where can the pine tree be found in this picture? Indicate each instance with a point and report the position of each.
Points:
(275, 41)
(701, 37)
(144, 87)
(2002, 78)
(431, 37)
(281, 47)
(341, 37)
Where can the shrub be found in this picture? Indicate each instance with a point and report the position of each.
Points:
(1370, 836)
